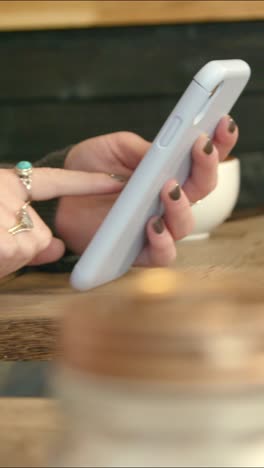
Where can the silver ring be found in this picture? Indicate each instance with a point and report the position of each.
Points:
(24, 171)
(24, 221)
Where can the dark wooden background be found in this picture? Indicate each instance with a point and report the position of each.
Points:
(59, 87)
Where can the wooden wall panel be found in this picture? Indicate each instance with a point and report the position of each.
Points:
(31, 130)
(117, 62)
(27, 15)
(58, 87)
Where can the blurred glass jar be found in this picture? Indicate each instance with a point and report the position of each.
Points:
(163, 369)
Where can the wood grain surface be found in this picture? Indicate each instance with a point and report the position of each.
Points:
(27, 15)
(27, 426)
(31, 304)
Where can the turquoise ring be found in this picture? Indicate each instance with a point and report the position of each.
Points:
(24, 171)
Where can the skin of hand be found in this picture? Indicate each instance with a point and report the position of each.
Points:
(119, 153)
(38, 245)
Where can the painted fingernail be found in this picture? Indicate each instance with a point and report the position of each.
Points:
(175, 194)
(231, 126)
(209, 147)
(119, 178)
(158, 226)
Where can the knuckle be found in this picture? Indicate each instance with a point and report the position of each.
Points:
(44, 238)
(205, 186)
(126, 134)
(7, 178)
(163, 252)
(165, 257)
(28, 251)
(51, 173)
(9, 252)
(172, 257)
(203, 191)
(188, 228)
(185, 229)
(212, 185)
(5, 173)
(216, 154)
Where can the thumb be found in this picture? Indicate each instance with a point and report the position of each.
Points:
(52, 253)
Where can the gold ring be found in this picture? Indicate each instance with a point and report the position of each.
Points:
(24, 221)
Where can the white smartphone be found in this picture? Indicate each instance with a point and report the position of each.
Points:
(120, 238)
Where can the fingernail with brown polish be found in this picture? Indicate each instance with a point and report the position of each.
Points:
(119, 178)
(231, 126)
(175, 194)
(209, 147)
(158, 226)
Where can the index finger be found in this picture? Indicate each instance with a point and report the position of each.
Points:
(48, 183)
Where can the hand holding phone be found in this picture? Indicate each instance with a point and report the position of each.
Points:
(119, 240)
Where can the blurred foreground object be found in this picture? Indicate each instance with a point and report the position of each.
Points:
(224, 286)
(168, 373)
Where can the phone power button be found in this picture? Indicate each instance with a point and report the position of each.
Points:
(170, 130)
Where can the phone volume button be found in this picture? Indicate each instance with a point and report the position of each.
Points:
(170, 130)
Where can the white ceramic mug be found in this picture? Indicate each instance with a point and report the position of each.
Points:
(214, 209)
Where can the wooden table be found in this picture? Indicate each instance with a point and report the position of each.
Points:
(32, 304)
(26, 428)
